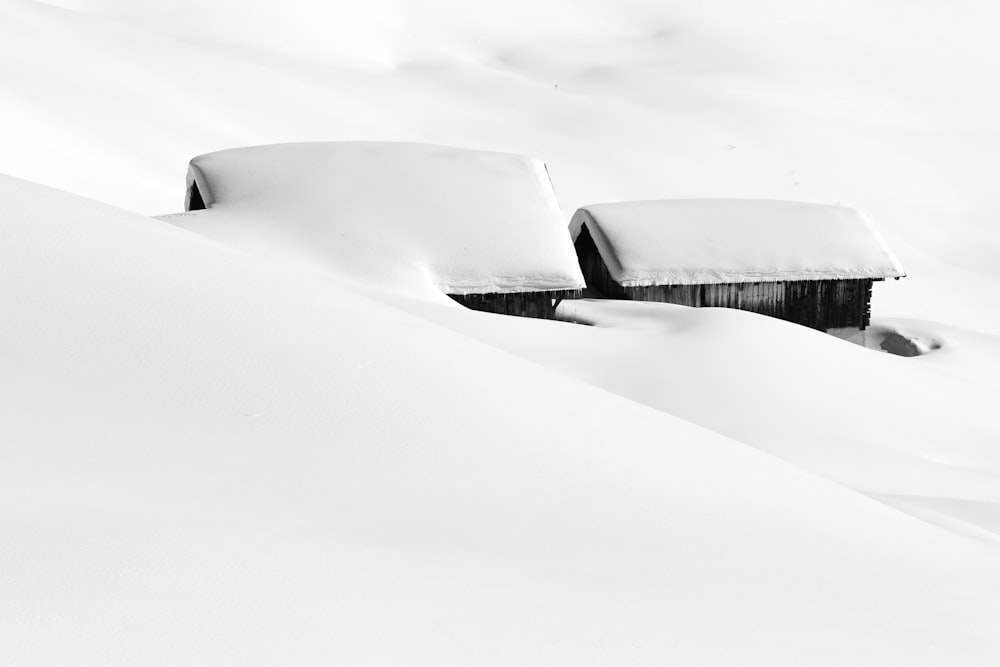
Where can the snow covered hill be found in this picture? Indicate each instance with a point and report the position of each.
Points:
(208, 460)
(213, 457)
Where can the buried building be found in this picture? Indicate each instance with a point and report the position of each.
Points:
(805, 263)
(484, 228)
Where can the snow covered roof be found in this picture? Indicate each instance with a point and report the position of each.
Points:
(703, 241)
(471, 222)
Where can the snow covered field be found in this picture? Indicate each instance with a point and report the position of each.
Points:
(214, 453)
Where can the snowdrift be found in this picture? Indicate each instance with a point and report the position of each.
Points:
(208, 459)
(212, 459)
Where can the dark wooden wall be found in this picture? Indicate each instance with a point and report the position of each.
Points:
(523, 304)
(820, 304)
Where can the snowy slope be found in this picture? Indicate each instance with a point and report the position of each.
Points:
(210, 461)
(920, 430)
(210, 458)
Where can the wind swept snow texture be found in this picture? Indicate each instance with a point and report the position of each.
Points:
(468, 222)
(705, 241)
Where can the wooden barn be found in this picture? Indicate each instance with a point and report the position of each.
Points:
(483, 228)
(806, 263)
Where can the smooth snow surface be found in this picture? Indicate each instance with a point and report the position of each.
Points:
(704, 241)
(208, 460)
(253, 441)
(634, 100)
(468, 222)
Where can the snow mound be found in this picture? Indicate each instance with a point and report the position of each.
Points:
(624, 314)
(195, 439)
(874, 421)
(702, 241)
(468, 222)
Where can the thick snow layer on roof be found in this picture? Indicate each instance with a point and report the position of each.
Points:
(701, 241)
(466, 221)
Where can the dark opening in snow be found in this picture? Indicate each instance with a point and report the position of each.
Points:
(195, 202)
(902, 344)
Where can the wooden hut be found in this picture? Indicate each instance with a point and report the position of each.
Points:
(806, 263)
(484, 228)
